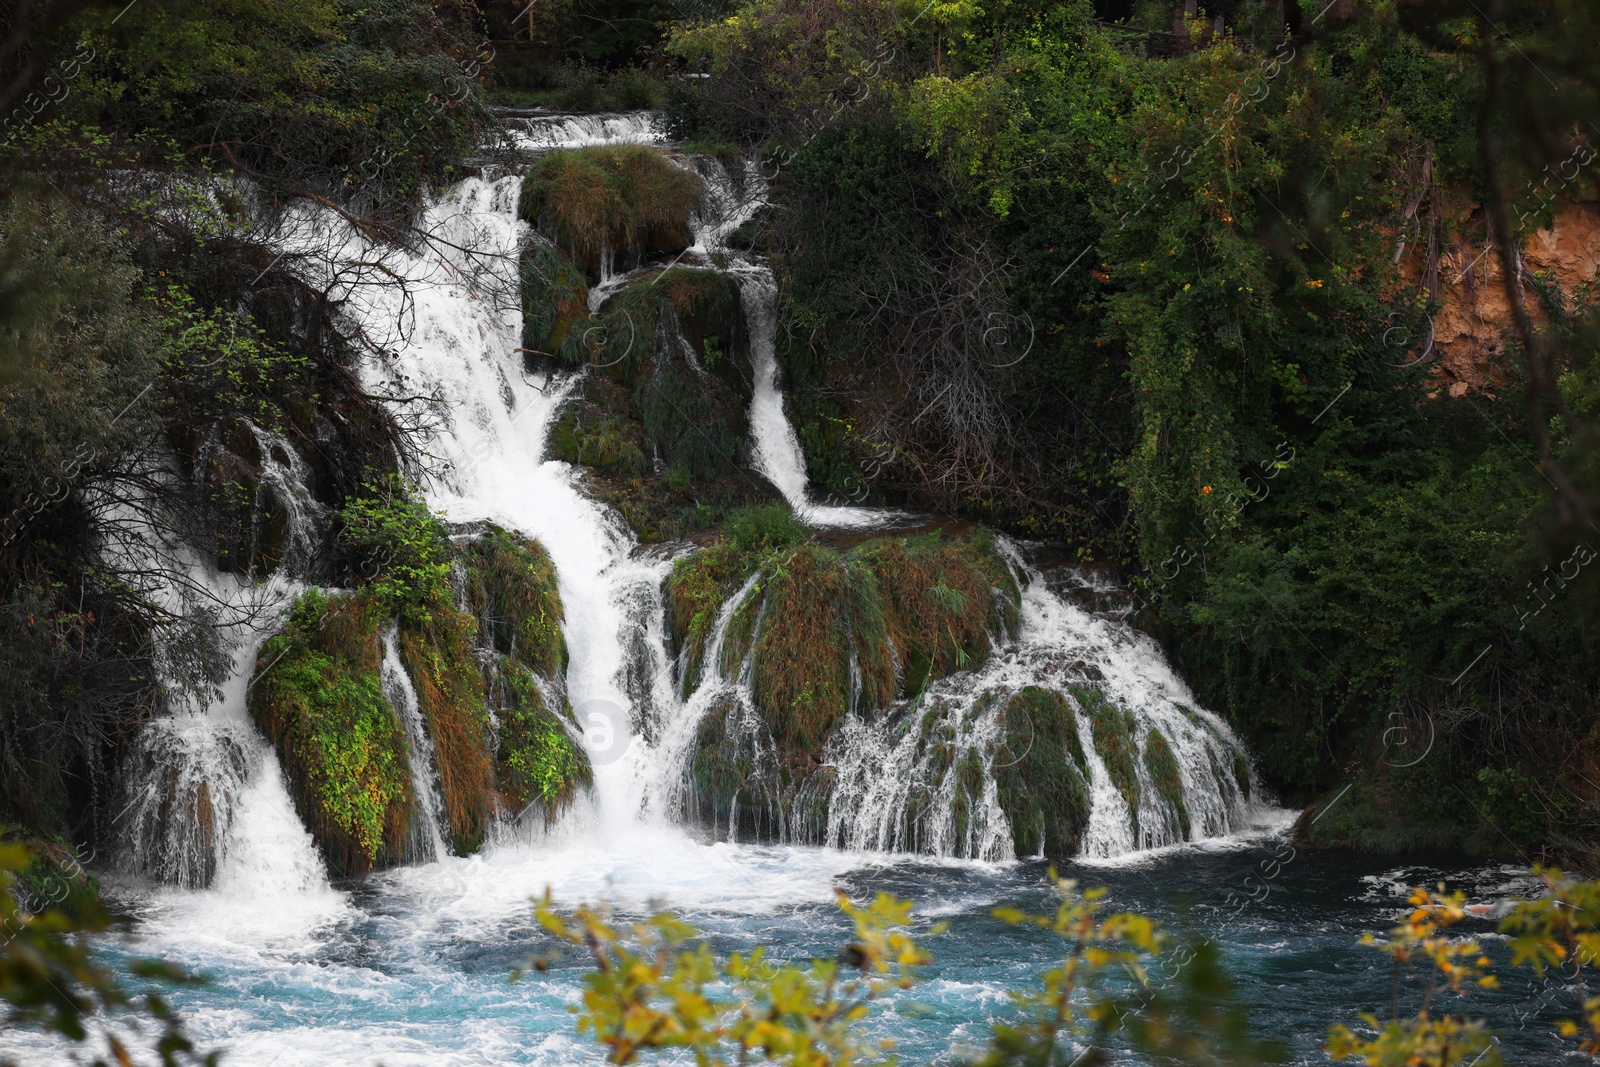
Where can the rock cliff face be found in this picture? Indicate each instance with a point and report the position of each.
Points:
(1473, 323)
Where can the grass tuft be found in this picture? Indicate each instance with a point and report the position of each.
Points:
(628, 199)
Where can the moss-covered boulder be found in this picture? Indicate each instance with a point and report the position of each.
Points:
(318, 697)
(1115, 733)
(1162, 767)
(661, 424)
(555, 304)
(437, 650)
(822, 631)
(1041, 774)
(510, 587)
(626, 201)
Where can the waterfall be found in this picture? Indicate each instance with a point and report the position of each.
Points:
(921, 775)
(427, 841)
(918, 776)
(207, 801)
(537, 130)
(777, 446)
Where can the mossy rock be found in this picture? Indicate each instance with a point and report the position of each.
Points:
(437, 650)
(1241, 773)
(695, 592)
(801, 672)
(599, 440)
(937, 599)
(1115, 739)
(538, 764)
(319, 698)
(736, 782)
(1162, 765)
(1041, 773)
(555, 305)
(511, 589)
(910, 609)
(628, 200)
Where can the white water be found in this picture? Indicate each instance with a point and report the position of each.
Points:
(878, 761)
(541, 131)
(207, 799)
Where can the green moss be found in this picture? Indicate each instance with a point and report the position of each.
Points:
(695, 591)
(606, 442)
(536, 758)
(1113, 730)
(625, 198)
(721, 766)
(940, 600)
(511, 590)
(1164, 776)
(801, 672)
(438, 654)
(1241, 773)
(318, 696)
(555, 304)
(1041, 773)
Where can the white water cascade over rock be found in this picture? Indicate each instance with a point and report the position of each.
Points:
(946, 769)
(206, 798)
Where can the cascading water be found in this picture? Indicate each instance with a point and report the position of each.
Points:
(207, 800)
(897, 791)
(537, 130)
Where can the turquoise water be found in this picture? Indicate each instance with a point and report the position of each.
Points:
(413, 967)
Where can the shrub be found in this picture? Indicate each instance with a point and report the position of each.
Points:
(392, 531)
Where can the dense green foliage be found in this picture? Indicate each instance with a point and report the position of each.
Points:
(322, 96)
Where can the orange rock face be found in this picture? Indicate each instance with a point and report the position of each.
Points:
(1474, 322)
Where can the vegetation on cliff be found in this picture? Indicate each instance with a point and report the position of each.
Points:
(623, 201)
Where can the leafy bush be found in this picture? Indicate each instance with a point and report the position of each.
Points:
(402, 544)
